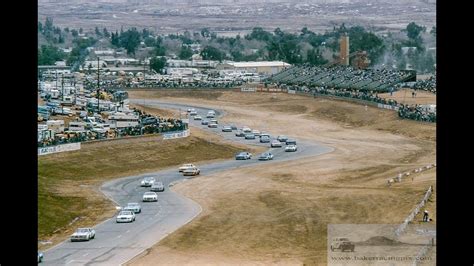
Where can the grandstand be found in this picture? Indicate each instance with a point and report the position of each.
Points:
(380, 80)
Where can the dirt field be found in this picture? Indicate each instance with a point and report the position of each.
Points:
(68, 183)
(404, 96)
(279, 214)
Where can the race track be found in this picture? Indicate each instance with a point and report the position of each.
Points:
(116, 244)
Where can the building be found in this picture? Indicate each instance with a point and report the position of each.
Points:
(262, 67)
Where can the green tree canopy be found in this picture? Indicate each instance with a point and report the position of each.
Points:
(185, 52)
(158, 63)
(211, 53)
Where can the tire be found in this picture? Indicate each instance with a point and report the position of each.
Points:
(93, 237)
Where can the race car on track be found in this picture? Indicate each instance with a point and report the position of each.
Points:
(282, 138)
(290, 142)
(239, 133)
(264, 139)
(276, 144)
(125, 217)
(191, 171)
(150, 196)
(212, 125)
(291, 148)
(197, 117)
(226, 129)
(158, 187)
(40, 256)
(186, 166)
(204, 122)
(249, 136)
(265, 156)
(134, 207)
(243, 156)
(147, 182)
(83, 234)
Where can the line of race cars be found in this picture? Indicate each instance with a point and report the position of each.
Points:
(248, 134)
(128, 213)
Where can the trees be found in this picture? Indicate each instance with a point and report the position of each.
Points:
(185, 52)
(211, 53)
(49, 54)
(106, 33)
(74, 33)
(413, 30)
(130, 40)
(160, 49)
(158, 63)
(40, 26)
(150, 41)
(315, 57)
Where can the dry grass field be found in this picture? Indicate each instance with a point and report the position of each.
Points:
(279, 214)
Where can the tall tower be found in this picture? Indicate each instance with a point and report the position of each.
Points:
(344, 54)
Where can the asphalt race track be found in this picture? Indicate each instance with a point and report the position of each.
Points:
(116, 244)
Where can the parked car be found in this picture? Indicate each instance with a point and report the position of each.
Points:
(265, 156)
(149, 121)
(239, 133)
(291, 148)
(204, 122)
(276, 144)
(214, 121)
(148, 182)
(40, 256)
(134, 207)
(212, 125)
(256, 132)
(150, 196)
(191, 110)
(125, 217)
(249, 136)
(226, 129)
(83, 234)
(342, 243)
(193, 113)
(191, 171)
(186, 166)
(158, 187)
(264, 135)
(264, 139)
(282, 138)
(243, 156)
(197, 117)
(290, 142)
(234, 127)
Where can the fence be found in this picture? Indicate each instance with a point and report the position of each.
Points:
(59, 148)
(415, 211)
(176, 135)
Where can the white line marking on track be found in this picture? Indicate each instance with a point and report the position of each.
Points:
(119, 236)
(85, 254)
(69, 262)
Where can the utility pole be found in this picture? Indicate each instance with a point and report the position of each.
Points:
(98, 86)
(62, 93)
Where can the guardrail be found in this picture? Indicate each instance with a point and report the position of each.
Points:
(59, 148)
(401, 229)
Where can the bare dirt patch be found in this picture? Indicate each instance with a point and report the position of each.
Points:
(279, 214)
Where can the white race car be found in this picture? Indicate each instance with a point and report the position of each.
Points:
(83, 234)
(186, 166)
(148, 182)
(125, 217)
(150, 196)
(291, 148)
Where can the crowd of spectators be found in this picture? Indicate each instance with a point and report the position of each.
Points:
(416, 112)
(341, 77)
(426, 85)
(355, 94)
(91, 84)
